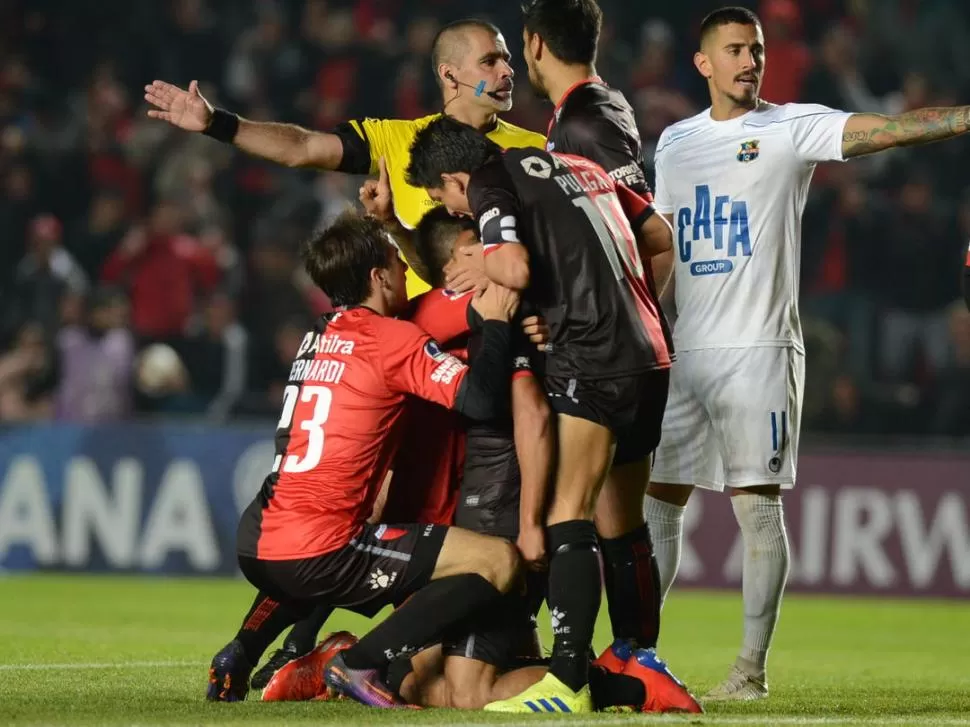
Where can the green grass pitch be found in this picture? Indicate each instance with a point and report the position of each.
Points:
(81, 650)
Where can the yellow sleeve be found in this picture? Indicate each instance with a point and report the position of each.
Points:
(367, 140)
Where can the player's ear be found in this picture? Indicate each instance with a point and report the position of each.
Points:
(446, 76)
(536, 46)
(703, 64)
(453, 179)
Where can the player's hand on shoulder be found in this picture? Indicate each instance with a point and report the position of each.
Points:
(496, 303)
(466, 271)
(376, 196)
(185, 109)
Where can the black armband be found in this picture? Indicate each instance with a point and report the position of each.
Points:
(484, 393)
(223, 127)
(356, 157)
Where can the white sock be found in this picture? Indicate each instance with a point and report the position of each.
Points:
(765, 571)
(666, 524)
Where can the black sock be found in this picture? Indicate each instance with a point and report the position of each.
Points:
(303, 637)
(632, 587)
(574, 598)
(266, 620)
(421, 620)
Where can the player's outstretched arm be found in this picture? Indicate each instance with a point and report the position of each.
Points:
(869, 133)
(286, 144)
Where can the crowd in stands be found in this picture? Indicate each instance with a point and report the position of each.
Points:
(119, 232)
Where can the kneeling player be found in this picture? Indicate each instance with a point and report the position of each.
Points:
(304, 540)
(477, 664)
(503, 493)
(553, 224)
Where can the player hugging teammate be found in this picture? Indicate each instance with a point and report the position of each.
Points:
(561, 227)
(605, 375)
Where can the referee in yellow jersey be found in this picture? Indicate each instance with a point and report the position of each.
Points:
(471, 63)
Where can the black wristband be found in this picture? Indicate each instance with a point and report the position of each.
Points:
(223, 127)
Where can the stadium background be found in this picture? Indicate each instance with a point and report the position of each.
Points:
(110, 219)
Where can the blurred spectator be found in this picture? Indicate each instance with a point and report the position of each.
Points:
(953, 392)
(164, 270)
(28, 377)
(790, 58)
(271, 368)
(169, 218)
(917, 261)
(842, 231)
(96, 359)
(99, 233)
(46, 273)
(217, 359)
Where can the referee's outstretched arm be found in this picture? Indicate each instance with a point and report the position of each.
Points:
(287, 144)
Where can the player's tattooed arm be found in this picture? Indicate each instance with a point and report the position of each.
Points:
(870, 133)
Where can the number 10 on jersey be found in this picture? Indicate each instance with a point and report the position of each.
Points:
(320, 397)
(613, 229)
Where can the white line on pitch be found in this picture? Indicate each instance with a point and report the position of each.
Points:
(95, 665)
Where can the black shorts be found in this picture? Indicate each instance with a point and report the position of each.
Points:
(488, 501)
(382, 565)
(632, 407)
(505, 636)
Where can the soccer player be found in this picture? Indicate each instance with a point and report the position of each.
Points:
(733, 181)
(554, 224)
(595, 121)
(470, 61)
(305, 539)
(476, 667)
(503, 492)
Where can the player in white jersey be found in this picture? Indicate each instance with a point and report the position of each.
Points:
(733, 181)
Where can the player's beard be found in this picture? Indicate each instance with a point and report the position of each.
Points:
(747, 101)
(537, 82)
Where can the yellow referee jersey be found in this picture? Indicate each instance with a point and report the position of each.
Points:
(367, 140)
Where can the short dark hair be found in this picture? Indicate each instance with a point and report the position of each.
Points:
(447, 146)
(571, 28)
(728, 16)
(435, 239)
(340, 257)
(441, 48)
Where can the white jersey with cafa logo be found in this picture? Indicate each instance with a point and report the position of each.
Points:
(737, 190)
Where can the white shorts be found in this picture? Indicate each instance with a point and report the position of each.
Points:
(732, 418)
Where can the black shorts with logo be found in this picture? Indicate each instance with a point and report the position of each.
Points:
(381, 565)
(632, 407)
